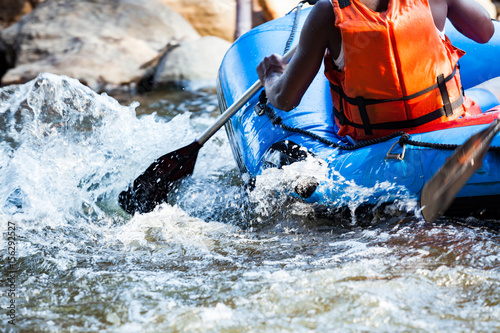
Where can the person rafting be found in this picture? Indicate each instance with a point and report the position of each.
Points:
(389, 64)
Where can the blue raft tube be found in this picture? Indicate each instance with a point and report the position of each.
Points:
(256, 141)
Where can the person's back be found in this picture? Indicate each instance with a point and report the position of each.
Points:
(399, 72)
(392, 54)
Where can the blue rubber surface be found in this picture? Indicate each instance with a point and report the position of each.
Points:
(251, 135)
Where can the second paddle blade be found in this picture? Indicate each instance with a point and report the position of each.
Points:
(440, 191)
(153, 185)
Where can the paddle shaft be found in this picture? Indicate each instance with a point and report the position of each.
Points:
(153, 185)
(223, 118)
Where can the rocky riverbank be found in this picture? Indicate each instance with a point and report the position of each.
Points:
(131, 45)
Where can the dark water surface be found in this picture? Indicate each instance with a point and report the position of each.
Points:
(215, 258)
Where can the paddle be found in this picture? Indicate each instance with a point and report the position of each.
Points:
(440, 191)
(153, 185)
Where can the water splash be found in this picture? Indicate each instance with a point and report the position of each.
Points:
(275, 191)
(67, 151)
(65, 154)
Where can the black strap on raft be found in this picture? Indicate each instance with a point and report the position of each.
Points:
(361, 103)
(403, 140)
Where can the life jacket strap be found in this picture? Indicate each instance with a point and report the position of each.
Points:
(444, 95)
(372, 101)
(361, 103)
(344, 3)
(395, 125)
(364, 115)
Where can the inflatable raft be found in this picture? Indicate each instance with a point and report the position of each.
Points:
(261, 139)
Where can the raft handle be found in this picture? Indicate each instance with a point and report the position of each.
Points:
(392, 156)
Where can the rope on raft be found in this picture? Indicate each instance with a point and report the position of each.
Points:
(403, 140)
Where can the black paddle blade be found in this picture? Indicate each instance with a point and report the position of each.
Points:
(153, 185)
(440, 191)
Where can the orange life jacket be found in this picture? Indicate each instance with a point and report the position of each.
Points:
(399, 74)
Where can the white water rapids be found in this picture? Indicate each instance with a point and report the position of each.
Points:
(215, 258)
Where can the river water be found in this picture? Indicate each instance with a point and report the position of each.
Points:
(215, 258)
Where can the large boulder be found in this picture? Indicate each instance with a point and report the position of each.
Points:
(192, 62)
(218, 17)
(103, 43)
(273, 9)
(208, 17)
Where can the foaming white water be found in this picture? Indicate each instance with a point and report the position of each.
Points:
(274, 187)
(86, 266)
(170, 229)
(356, 282)
(67, 151)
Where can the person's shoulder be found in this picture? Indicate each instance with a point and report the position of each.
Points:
(438, 2)
(322, 12)
(323, 5)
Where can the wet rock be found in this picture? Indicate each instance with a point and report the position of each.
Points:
(196, 62)
(305, 186)
(104, 44)
(3, 61)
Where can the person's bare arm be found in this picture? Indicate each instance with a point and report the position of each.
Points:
(471, 19)
(286, 84)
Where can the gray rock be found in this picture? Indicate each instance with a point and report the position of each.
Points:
(195, 62)
(103, 43)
